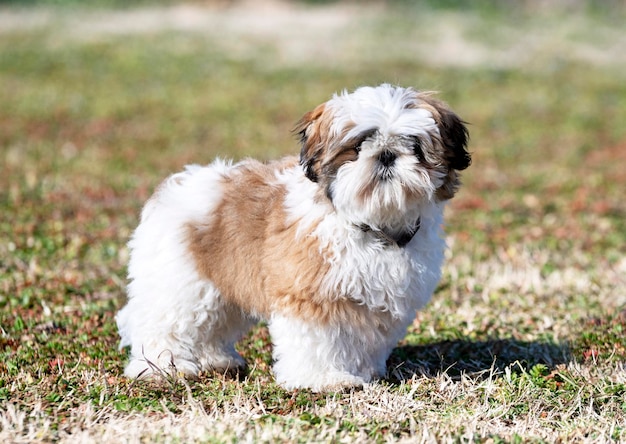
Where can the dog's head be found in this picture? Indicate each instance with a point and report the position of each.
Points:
(380, 153)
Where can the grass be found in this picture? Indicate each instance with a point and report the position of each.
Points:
(524, 340)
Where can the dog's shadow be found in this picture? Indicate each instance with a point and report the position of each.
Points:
(474, 358)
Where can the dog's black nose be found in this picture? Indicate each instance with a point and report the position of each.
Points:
(386, 158)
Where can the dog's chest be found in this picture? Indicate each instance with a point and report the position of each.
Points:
(377, 276)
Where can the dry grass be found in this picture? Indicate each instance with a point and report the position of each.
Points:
(524, 340)
(420, 409)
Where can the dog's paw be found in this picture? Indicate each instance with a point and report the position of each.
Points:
(327, 382)
(223, 362)
(146, 368)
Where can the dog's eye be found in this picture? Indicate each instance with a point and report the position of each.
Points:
(417, 148)
(356, 145)
(358, 141)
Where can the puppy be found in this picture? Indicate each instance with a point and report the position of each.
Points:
(336, 250)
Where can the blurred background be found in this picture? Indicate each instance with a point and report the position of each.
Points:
(110, 94)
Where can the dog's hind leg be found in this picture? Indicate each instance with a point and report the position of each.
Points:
(188, 333)
(218, 335)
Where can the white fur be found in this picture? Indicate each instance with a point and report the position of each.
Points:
(174, 315)
(394, 280)
(383, 107)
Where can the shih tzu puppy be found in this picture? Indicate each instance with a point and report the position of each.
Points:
(336, 250)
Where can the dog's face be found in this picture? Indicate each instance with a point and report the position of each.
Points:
(380, 153)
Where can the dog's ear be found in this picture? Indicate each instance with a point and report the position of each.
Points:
(454, 138)
(311, 132)
(454, 135)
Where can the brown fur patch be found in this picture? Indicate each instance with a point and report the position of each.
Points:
(250, 252)
(453, 141)
(313, 129)
(453, 132)
(334, 160)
